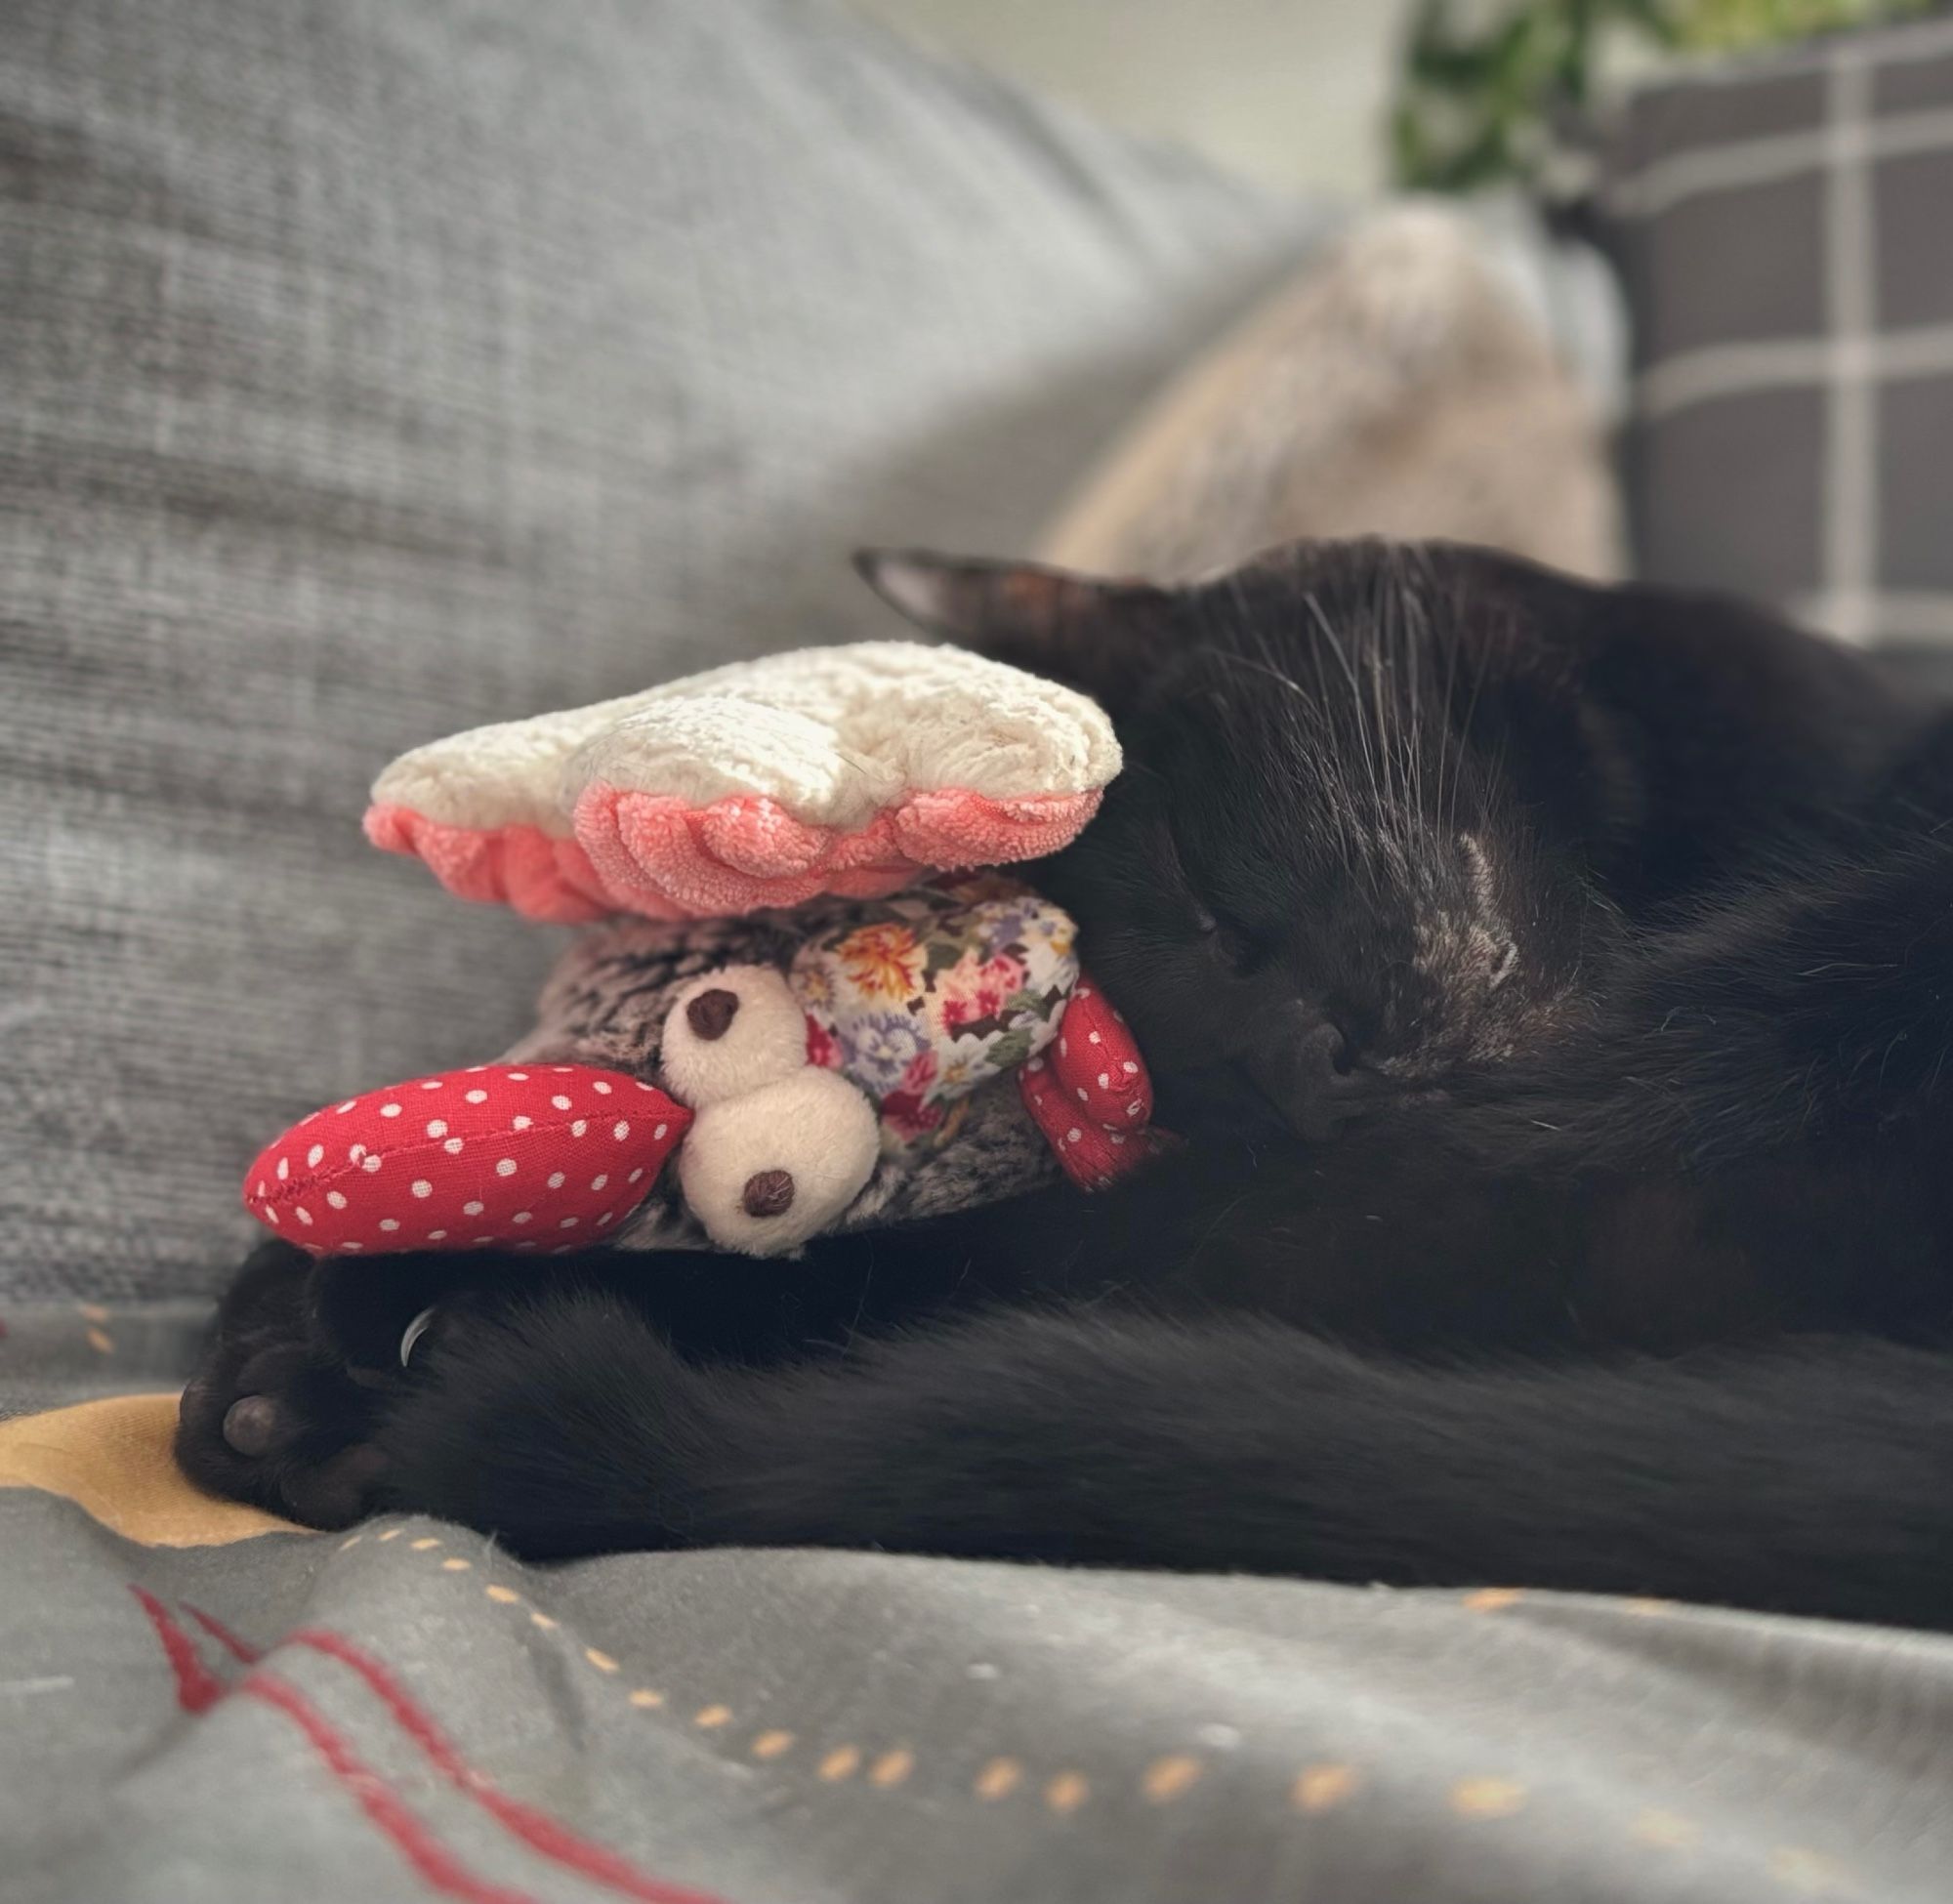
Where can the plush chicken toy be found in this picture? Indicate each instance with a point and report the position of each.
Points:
(793, 998)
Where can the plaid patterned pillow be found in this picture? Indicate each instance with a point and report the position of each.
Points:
(1786, 233)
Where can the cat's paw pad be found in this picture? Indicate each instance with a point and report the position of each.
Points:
(287, 1430)
(275, 1415)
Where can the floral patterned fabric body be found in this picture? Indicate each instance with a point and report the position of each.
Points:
(922, 998)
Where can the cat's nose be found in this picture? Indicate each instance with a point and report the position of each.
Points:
(1306, 1071)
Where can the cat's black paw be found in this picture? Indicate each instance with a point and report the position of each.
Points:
(276, 1413)
(560, 1423)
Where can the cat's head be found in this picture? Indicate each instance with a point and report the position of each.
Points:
(1351, 857)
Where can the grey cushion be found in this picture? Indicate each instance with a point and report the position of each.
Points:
(1784, 225)
(370, 371)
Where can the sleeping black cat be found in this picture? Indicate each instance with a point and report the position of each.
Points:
(1555, 984)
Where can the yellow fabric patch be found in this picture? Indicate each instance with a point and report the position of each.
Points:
(113, 1458)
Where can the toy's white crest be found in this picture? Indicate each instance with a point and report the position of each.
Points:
(764, 782)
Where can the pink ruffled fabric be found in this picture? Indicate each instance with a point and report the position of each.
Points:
(519, 866)
(656, 855)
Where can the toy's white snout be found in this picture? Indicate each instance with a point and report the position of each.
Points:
(779, 1147)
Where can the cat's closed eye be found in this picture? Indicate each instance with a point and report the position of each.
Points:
(1211, 928)
(1228, 940)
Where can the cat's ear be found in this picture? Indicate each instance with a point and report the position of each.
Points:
(1095, 634)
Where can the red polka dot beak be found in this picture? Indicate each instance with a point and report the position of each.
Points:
(542, 1157)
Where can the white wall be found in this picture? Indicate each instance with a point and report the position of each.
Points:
(1290, 92)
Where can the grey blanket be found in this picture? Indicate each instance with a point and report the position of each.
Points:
(407, 1713)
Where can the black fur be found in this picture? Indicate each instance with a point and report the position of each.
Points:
(1630, 918)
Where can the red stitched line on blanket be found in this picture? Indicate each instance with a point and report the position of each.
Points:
(240, 1650)
(536, 1829)
(199, 1689)
(424, 1852)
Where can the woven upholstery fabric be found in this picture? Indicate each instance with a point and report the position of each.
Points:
(372, 370)
(1784, 224)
